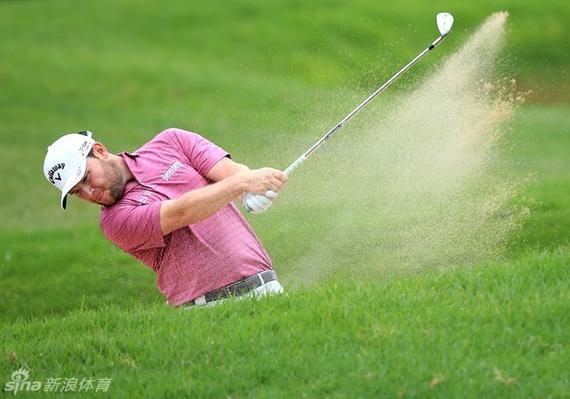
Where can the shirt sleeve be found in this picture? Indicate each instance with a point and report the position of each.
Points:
(133, 228)
(201, 153)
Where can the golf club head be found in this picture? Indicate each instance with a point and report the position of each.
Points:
(444, 23)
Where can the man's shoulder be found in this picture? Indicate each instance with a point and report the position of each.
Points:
(173, 133)
(108, 214)
(132, 227)
(126, 210)
(170, 137)
(162, 137)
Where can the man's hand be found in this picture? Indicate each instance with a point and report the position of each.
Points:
(259, 181)
(262, 187)
(259, 186)
(256, 203)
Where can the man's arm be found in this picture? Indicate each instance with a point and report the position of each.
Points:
(231, 181)
(225, 168)
(199, 204)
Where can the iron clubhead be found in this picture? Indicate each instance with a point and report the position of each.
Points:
(444, 23)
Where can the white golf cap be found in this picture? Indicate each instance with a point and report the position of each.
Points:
(66, 160)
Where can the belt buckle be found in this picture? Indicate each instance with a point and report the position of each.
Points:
(200, 301)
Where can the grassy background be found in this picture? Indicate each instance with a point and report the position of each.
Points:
(254, 76)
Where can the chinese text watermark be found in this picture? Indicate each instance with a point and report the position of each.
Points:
(20, 382)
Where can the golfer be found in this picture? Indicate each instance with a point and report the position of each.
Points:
(170, 205)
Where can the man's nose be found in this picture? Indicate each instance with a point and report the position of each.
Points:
(86, 189)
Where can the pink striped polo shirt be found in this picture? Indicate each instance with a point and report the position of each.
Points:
(194, 259)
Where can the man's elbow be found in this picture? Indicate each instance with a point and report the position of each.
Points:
(172, 216)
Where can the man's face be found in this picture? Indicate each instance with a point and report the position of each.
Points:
(102, 183)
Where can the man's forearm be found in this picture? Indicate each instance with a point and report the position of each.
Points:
(197, 205)
(224, 169)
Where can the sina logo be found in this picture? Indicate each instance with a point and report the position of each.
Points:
(20, 382)
(55, 176)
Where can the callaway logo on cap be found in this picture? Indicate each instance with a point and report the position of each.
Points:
(66, 160)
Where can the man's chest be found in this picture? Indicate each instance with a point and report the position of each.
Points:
(164, 178)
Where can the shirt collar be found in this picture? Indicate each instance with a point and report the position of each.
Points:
(133, 183)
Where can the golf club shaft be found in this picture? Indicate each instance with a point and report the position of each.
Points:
(299, 161)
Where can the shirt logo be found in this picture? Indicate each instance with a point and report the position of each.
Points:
(144, 197)
(51, 172)
(171, 170)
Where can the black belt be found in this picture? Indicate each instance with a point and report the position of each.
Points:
(238, 288)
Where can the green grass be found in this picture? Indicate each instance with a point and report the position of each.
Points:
(538, 149)
(497, 331)
(48, 275)
(255, 76)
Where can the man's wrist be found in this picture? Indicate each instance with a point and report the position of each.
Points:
(238, 183)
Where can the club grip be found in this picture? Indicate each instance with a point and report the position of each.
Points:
(295, 165)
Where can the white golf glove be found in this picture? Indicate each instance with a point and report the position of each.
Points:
(257, 203)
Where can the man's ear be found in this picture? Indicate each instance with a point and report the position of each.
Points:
(99, 151)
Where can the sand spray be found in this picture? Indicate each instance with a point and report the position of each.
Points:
(418, 183)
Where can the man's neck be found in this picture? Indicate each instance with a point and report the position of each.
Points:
(125, 171)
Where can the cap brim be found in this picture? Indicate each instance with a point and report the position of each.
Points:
(71, 183)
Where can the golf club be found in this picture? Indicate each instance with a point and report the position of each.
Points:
(444, 23)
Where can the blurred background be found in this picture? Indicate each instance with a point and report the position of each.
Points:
(263, 80)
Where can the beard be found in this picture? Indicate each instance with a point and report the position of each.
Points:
(116, 180)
